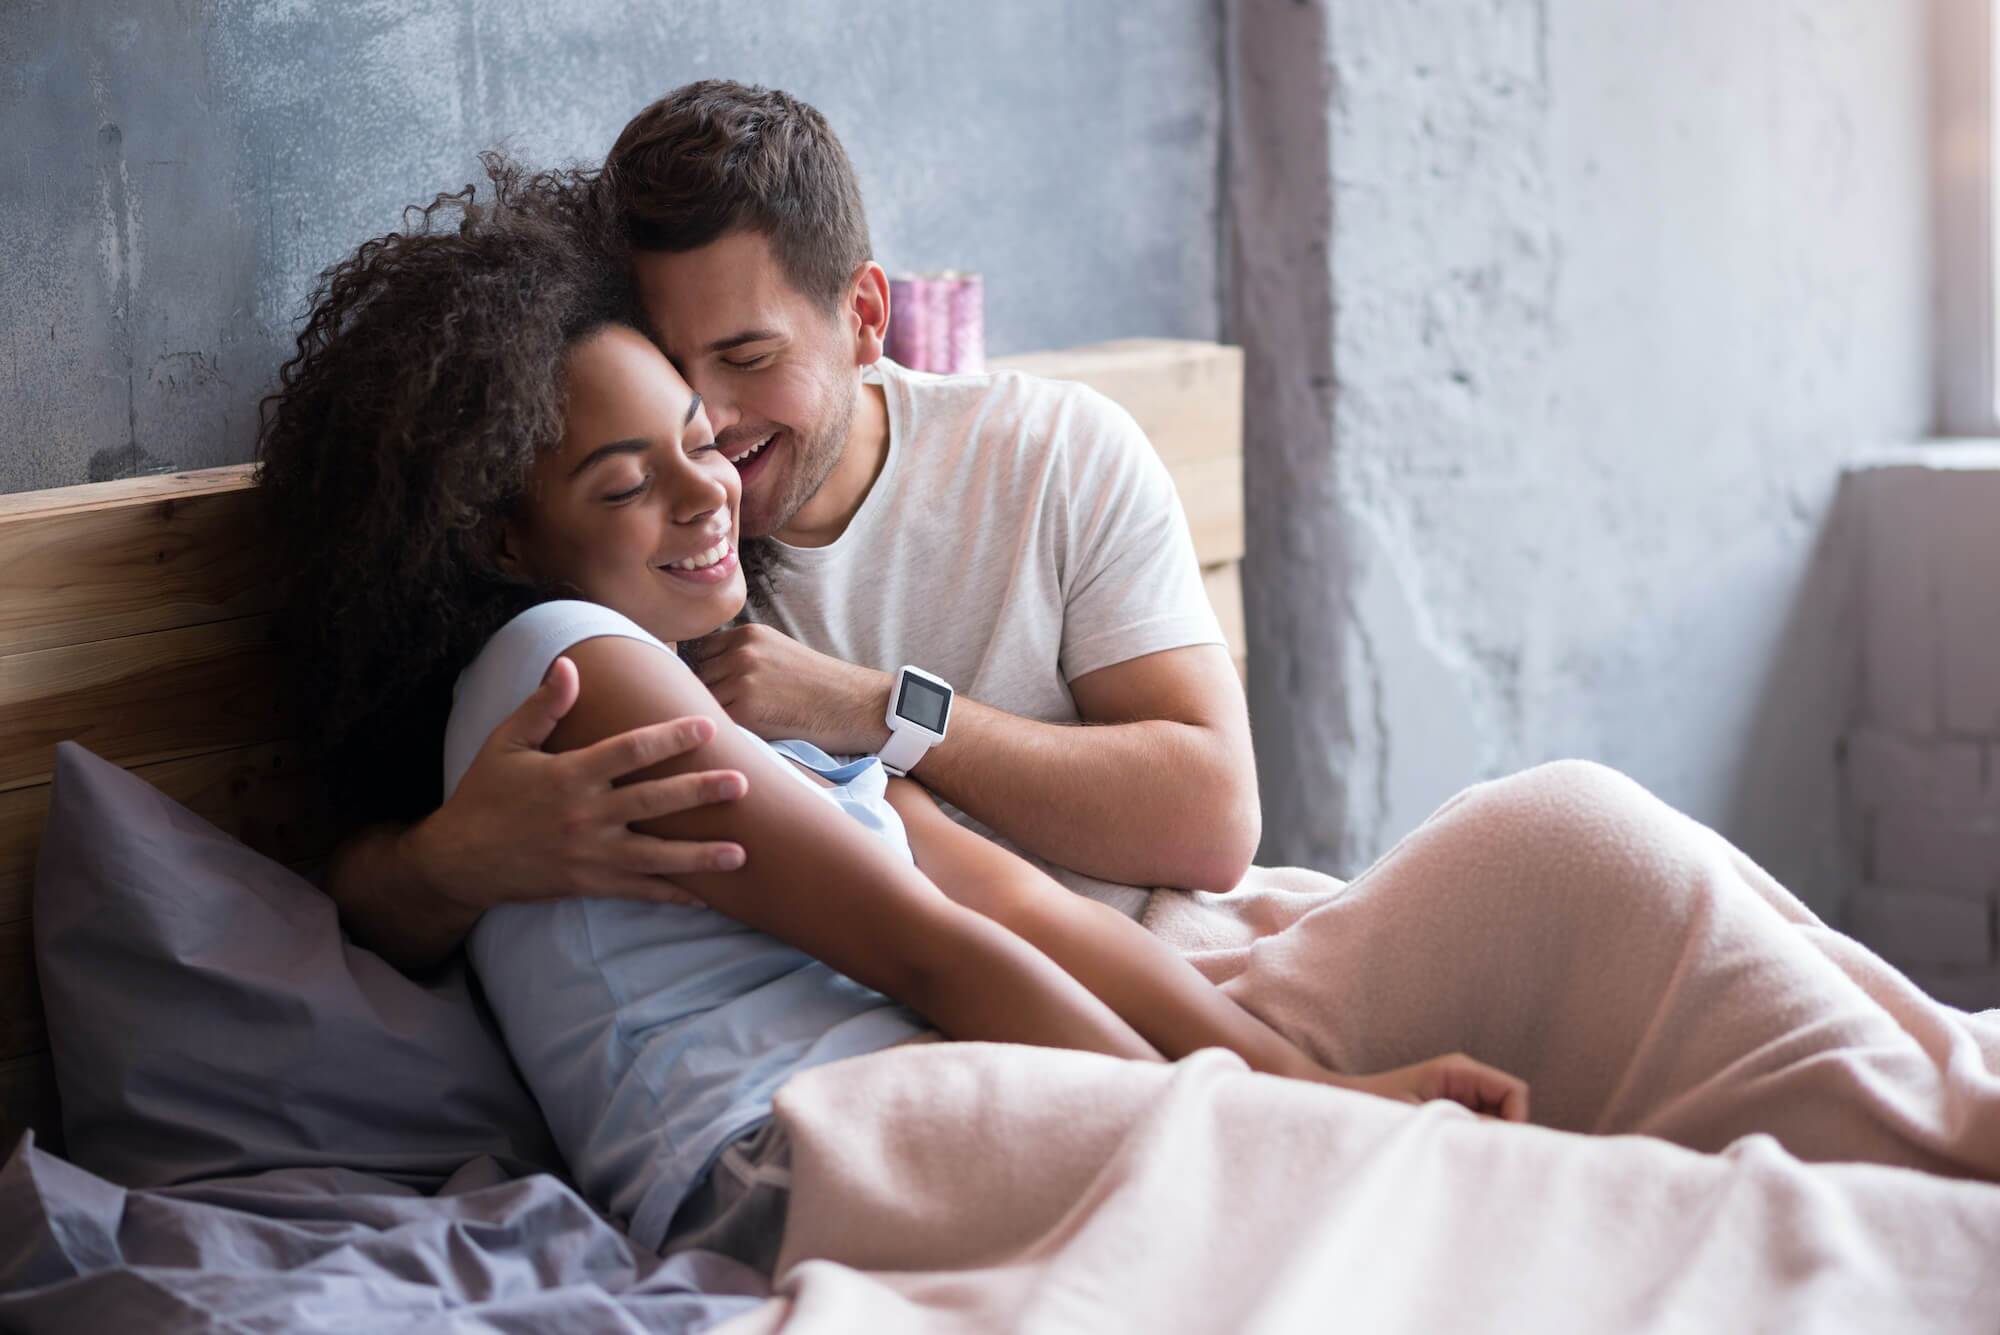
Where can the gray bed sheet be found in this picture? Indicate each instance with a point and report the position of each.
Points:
(330, 1249)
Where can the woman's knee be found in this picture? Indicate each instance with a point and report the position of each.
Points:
(1577, 818)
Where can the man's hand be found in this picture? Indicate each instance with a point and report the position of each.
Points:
(1456, 1077)
(524, 824)
(776, 687)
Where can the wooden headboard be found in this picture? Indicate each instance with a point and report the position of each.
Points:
(136, 619)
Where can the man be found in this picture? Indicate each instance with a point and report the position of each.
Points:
(1016, 538)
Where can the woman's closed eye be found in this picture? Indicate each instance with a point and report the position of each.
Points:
(633, 493)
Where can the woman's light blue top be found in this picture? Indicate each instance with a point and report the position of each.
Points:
(652, 1034)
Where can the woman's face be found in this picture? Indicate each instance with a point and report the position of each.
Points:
(637, 509)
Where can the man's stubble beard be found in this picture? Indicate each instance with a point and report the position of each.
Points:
(815, 461)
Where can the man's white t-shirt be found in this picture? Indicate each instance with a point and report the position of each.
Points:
(1022, 533)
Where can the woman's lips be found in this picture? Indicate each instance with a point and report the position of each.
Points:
(708, 574)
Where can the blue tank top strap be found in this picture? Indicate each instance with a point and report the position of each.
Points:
(820, 763)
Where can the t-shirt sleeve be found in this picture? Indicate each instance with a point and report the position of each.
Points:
(1131, 583)
(512, 664)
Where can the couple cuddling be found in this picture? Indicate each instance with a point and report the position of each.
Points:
(533, 456)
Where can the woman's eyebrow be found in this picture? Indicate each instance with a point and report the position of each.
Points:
(606, 451)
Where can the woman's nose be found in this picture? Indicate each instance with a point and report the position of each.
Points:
(699, 495)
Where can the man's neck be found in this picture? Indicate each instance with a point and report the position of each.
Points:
(825, 517)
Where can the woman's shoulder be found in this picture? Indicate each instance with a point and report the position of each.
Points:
(534, 637)
(512, 663)
(558, 617)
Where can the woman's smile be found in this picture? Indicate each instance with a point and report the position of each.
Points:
(713, 566)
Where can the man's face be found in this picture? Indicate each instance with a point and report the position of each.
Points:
(776, 369)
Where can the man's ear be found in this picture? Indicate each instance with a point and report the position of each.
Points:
(868, 312)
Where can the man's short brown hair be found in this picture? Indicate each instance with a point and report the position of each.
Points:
(717, 157)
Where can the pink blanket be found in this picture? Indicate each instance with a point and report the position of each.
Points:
(1641, 974)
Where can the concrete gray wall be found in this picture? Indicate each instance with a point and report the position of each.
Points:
(172, 175)
(1563, 317)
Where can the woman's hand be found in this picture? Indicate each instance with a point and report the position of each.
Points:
(1457, 1077)
(524, 824)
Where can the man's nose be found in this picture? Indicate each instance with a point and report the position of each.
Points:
(716, 398)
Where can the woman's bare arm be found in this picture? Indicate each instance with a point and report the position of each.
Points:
(1128, 968)
(816, 880)
(1140, 977)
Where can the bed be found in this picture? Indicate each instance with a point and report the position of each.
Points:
(949, 1186)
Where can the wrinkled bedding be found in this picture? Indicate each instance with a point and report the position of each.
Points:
(333, 1250)
(980, 1187)
(1744, 1121)
(969, 1187)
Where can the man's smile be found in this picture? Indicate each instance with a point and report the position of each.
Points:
(739, 458)
(751, 460)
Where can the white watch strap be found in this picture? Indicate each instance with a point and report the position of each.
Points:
(906, 747)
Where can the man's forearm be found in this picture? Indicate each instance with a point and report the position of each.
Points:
(1147, 803)
(387, 904)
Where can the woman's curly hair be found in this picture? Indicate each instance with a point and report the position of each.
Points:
(427, 379)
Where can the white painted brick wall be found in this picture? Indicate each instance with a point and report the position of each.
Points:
(1936, 848)
(1916, 927)
(1920, 768)
(1966, 540)
(1968, 989)
(1884, 768)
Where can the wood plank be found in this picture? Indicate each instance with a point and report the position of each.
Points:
(141, 698)
(68, 576)
(1211, 492)
(127, 491)
(1187, 396)
(28, 1099)
(21, 1028)
(271, 797)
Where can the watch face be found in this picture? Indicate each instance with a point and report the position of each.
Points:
(923, 703)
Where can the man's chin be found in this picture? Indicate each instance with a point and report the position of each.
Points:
(753, 524)
(760, 513)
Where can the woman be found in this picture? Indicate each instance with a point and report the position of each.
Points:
(478, 464)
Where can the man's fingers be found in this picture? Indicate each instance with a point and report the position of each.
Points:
(721, 642)
(645, 855)
(615, 757)
(531, 724)
(678, 792)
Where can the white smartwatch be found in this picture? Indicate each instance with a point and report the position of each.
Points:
(919, 710)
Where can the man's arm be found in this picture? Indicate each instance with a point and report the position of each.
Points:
(1157, 787)
(389, 904)
(523, 825)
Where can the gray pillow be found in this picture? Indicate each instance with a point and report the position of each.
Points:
(207, 1017)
